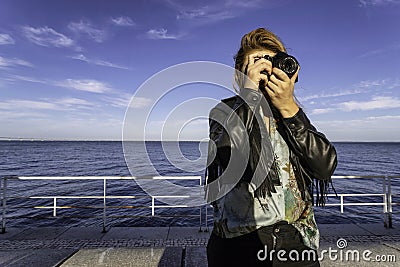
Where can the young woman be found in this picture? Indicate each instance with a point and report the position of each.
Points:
(265, 217)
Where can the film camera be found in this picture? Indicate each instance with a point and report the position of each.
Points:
(283, 61)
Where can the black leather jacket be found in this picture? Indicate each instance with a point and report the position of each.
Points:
(312, 156)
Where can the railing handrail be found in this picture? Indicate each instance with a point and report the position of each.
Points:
(166, 177)
(363, 176)
(356, 194)
(198, 177)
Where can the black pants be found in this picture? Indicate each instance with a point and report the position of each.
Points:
(277, 245)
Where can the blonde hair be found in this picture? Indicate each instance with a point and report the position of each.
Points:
(260, 38)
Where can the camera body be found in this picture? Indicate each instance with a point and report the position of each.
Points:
(285, 62)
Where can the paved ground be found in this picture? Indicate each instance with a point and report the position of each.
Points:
(341, 245)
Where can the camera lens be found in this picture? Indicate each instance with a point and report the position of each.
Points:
(288, 65)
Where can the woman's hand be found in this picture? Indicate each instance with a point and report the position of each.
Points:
(257, 69)
(272, 81)
(280, 89)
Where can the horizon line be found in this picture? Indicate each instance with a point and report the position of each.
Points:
(154, 140)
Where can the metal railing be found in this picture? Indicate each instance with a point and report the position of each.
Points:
(386, 195)
(385, 198)
(54, 198)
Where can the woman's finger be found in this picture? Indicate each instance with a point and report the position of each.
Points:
(280, 74)
(294, 77)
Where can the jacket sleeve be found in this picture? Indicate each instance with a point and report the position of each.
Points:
(313, 149)
(217, 141)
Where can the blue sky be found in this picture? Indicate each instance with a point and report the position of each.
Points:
(68, 69)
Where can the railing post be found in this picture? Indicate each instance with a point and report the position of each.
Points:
(152, 205)
(341, 204)
(385, 195)
(54, 207)
(104, 204)
(206, 218)
(206, 206)
(385, 204)
(200, 230)
(3, 218)
(390, 202)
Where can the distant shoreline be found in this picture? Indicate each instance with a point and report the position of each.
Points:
(182, 141)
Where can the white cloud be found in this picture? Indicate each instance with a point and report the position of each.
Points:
(365, 3)
(87, 85)
(140, 102)
(123, 21)
(387, 117)
(387, 49)
(123, 100)
(97, 35)
(161, 34)
(394, 84)
(12, 115)
(379, 102)
(204, 14)
(27, 104)
(192, 14)
(99, 62)
(319, 111)
(361, 87)
(245, 4)
(380, 128)
(327, 95)
(6, 39)
(73, 102)
(120, 101)
(13, 78)
(46, 36)
(11, 62)
(45, 104)
(373, 83)
(211, 11)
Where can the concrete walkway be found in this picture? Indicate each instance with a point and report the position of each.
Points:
(341, 244)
